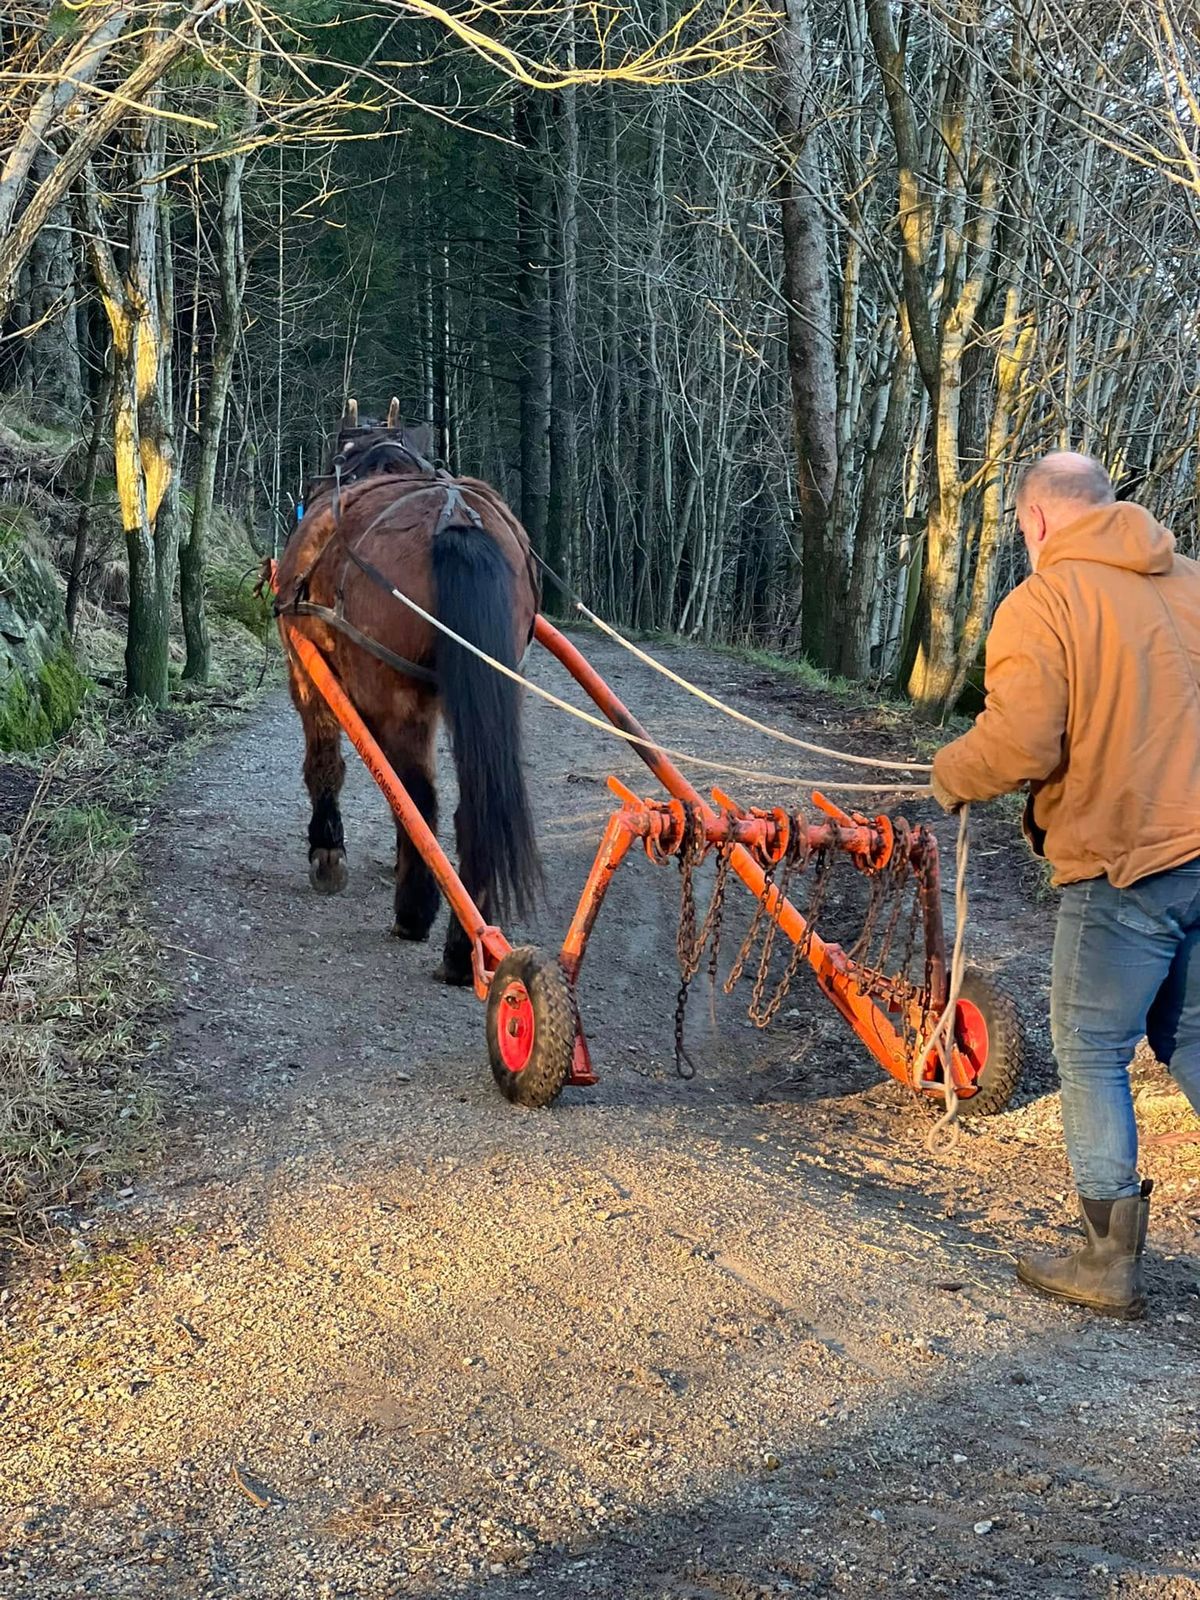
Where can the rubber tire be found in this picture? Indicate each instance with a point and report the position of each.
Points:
(545, 982)
(1006, 1045)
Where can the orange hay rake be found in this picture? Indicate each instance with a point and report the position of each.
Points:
(535, 1038)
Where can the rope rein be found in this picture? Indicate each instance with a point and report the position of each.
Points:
(455, 502)
(942, 1036)
(648, 660)
(648, 744)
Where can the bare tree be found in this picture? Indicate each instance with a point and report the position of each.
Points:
(139, 316)
(231, 287)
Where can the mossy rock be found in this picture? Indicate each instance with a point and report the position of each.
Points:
(16, 525)
(34, 712)
(41, 687)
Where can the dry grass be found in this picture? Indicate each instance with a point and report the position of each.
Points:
(80, 985)
(81, 990)
(77, 992)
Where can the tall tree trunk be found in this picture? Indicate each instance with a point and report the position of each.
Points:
(168, 525)
(879, 506)
(87, 494)
(650, 407)
(231, 286)
(810, 337)
(609, 447)
(278, 526)
(564, 454)
(968, 200)
(142, 438)
(54, 346)
(1016, 352)
(429, 410)
(446, 421)
(936, 666)
(534, 317)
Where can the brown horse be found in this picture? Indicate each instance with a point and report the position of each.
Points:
(387, 518)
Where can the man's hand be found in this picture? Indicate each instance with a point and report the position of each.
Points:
(942, 795)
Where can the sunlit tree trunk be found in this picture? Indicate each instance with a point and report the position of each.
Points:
(143, 447)
(103, 26)
(880, 507)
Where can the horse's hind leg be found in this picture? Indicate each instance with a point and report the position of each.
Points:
(418, 897)
(457, 965)
(324, 774)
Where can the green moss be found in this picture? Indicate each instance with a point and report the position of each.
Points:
(15, 524)
(62, 687)
(22, 721)
(30, 431)
(230, 595)
(30, 717)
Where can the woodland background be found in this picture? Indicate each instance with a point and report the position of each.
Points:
(752, 316)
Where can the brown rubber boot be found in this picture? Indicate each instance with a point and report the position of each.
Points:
(1106, 1275)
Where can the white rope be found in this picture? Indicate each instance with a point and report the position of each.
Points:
(941, 1036)
(647, 743)
(740, 716)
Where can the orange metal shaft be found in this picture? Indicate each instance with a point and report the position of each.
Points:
(618, 836)
(665, 822)
(488, 944)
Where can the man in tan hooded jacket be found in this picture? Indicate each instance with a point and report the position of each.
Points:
(1093, 701)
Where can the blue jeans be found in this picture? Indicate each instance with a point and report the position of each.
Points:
(1126, 963)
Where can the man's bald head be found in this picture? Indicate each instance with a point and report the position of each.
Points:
(1069, 476)
(1054, 492)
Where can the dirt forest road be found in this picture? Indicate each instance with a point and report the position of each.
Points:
(368, 1331)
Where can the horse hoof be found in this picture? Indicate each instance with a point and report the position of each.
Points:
(327, 871)
(457, 977)
(410, 932)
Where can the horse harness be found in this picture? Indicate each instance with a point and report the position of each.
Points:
(455, 512)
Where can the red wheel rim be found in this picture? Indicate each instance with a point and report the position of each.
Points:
(971, 1038)
(515, 1026)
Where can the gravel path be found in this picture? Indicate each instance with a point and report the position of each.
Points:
(368, 1331)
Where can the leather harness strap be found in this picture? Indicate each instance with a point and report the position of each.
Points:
(335, 619)
(455, 512)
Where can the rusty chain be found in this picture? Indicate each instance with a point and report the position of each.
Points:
(768, 943)
(748, 943)
(889, 898)
(762, 1015)
(902, 868)
(690, 945)
(889, 887)
(717, 909)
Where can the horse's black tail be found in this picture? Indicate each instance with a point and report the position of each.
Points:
(497, 853)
